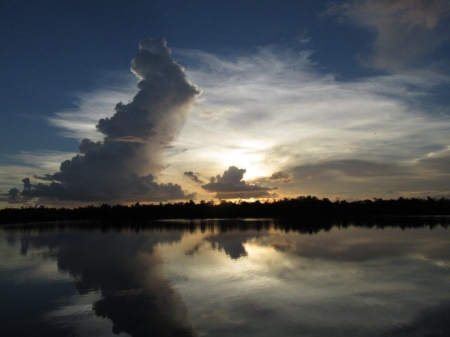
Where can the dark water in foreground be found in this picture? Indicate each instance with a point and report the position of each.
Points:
(254, 279)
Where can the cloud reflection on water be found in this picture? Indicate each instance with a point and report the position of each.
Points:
(357, 281)
(352, 282)
(124, 268)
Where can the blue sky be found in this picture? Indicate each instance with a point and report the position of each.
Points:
(337, 99)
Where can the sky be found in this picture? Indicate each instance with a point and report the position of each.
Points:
(177, 100)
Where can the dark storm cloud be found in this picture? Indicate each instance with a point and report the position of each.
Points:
(123, 166)
(131, 187)
(231, 186)
(193, 176)
(283, 176)
(87, 146)
(13, 196)
(406, 31)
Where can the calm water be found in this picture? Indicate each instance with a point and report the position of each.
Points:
(217, 278)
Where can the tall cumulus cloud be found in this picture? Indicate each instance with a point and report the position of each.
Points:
(123, 166)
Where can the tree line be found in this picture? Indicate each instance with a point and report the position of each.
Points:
(300, 207)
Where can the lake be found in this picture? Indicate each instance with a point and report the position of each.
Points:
(226, 278)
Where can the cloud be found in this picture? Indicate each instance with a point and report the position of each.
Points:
(438, 162)
(423, 177)
(283, 176)
(13, 196)
(193, 176)
(79, 122)
(231, 186)
(353, 168)
(42, 160)
(299, 116)
(123, 165)
(407, 32)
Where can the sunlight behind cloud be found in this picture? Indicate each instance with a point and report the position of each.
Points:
(248, 154)
(303, 116)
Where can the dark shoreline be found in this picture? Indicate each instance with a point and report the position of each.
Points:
(308, 207)
(304, 209)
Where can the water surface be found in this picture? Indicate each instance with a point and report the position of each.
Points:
(216, 278)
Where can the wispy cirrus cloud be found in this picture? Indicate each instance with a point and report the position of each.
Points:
(407, 32)
(79, 122)
(283, 113)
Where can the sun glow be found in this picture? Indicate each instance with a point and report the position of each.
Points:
(252, 163)
(249, 155)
